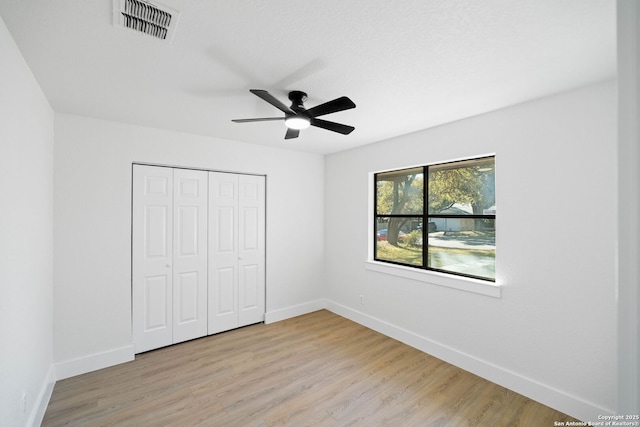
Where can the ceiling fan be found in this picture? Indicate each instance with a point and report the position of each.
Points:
(297, 117)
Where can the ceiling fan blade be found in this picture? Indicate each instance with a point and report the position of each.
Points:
(338, 104)
(292, 133)
(271, 100)
(333, 126)
(264, 119)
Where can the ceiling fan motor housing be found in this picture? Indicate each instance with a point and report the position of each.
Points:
(297, 99)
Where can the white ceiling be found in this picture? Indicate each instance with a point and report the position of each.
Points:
(407, 64)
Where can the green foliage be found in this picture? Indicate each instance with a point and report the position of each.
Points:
(400, 194)
(470, 185)
(414, 237)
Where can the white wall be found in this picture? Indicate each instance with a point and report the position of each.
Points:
(628, 206)
(92, 273)
(26, 240)
(552, 333)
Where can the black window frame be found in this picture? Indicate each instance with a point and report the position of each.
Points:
(424, 218)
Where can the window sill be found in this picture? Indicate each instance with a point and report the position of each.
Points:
(461, 283)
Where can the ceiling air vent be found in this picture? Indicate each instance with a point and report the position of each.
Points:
(145, 17)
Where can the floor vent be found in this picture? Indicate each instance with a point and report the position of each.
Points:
(145, 17)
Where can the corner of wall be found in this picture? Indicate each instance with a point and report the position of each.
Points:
(42, 401)
(293, 311)
(93, 362)
(628, 232)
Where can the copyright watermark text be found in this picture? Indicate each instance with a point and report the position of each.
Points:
(604, 420)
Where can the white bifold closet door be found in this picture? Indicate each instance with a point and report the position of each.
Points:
(236, 250)
(169, 256)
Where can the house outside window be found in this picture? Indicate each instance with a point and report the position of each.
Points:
(439, 217)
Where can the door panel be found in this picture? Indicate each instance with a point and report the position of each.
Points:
(190, 254)
(250, 228)
(225, 299)
(225, 228)
(188, 231)
(156, 183)
(223, 305)
(152, 287)
(156, 220)
(250, 287)
(251, 253)
(156, 309)
(187, 295)
(223, 252)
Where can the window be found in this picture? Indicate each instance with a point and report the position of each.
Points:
(439, 217)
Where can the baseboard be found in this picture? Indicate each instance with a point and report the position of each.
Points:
(42, 401)
(93, 362)
(539, 392)
(124, 354)
(293, 311)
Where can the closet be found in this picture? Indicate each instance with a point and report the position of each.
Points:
(198, 253)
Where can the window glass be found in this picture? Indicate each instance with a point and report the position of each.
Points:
(452, 231)
(462, 188)
(462, 245)
(399, 240)
(400, 192)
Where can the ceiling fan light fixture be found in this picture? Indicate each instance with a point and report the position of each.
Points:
(297, 122)
(297, 117)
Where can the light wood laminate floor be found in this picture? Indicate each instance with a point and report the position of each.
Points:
(318, 369)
